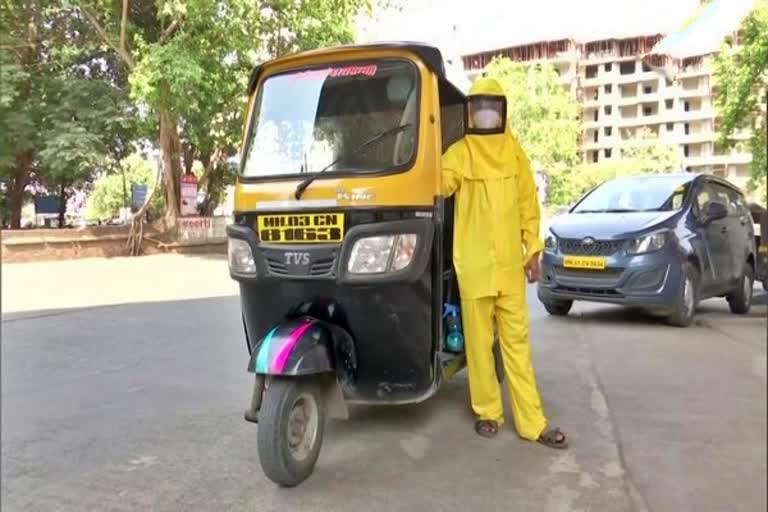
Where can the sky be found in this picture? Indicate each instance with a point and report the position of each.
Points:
(466, 26)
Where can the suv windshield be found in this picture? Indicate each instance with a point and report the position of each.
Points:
(636, 194)
(304, 120)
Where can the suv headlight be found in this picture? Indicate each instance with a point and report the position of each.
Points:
(648, 243)
(381, 254)
(240, 256)
(550, 243)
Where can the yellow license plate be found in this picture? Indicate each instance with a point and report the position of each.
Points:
(763, 249)
(585, 262)
(302, 228)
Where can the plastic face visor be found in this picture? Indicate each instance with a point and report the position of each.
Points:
(486, 114)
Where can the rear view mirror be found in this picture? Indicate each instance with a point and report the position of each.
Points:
(716, 211)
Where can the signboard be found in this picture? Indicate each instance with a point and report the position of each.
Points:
(46, 205)
(138, 196)
(202, 230)
(188, 195)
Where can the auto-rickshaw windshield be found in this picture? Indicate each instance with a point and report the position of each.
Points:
(305, 119)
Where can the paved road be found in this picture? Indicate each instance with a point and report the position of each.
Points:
(137, 405)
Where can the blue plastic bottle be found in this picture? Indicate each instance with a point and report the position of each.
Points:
(454, 339)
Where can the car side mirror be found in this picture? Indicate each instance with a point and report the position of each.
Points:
(715, 211)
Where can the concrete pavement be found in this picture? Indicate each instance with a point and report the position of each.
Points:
(137, 405)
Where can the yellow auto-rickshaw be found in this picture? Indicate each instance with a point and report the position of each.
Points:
(342, 242)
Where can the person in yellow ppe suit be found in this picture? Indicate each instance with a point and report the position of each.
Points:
(496, 246)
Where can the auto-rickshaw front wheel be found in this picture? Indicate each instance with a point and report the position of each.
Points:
(291, 425)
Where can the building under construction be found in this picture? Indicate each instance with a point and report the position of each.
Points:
(629, 85)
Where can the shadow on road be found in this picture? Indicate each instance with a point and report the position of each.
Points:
(707, 310)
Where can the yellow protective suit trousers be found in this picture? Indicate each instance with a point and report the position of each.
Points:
(510, 312)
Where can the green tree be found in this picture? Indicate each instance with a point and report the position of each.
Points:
(541, 111)
(189, 62)
(741, 74)
(111, 191)
(63, 115)
(544, 115)
(646, 154)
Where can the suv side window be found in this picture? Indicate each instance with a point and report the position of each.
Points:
(728, 197)
(704, 195)
(740, 204)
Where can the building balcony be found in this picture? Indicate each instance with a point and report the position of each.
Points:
(591, 124)
(619, 79)
(705, 160)
(694, 71)
(691, 138)
(665, 117)
(605, 57)
(698, 92)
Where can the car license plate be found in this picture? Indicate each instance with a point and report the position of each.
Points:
(301, 228)
(585, 262)
(763, 249)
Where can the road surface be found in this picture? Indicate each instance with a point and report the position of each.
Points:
(124, 383)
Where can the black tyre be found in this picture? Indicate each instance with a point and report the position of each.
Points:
(291, 424)
(740, 300)
(687, 296)
(765, 285)
(558, 307)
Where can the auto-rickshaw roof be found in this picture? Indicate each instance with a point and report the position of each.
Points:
(430, 55)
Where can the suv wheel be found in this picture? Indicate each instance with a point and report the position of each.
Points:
(558, 307)
(685, 302)
(740, 300)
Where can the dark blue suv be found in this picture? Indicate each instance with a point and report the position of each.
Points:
(663, 242)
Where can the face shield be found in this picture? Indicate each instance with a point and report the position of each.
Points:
(487, 114)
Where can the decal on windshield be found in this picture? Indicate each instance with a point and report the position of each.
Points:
(369, 70)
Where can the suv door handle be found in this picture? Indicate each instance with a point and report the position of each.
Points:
(724, 229)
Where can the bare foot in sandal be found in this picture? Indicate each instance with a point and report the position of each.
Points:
(554, 438)
(487, 428)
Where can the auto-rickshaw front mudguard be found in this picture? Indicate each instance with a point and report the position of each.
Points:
(300, 348)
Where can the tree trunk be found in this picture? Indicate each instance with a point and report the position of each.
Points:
(18, 184)
(170, 147)
(213, 179)
(62, 205)
(136, 231)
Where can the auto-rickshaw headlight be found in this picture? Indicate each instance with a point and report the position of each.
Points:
(240, 256)
(381, 254)
(406, 246)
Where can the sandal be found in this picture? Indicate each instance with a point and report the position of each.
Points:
(554, 439)
(486, 428)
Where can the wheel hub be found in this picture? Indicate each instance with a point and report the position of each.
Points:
(302, 426)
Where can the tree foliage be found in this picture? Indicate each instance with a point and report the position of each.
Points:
(63, 114)
(84, 81)
(111, 192)
(646, 154)
(541, 111)
(741, 73)
(189, 62)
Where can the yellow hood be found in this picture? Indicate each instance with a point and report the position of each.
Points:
(489, 154)
(486, 86)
